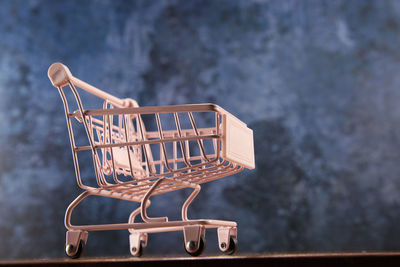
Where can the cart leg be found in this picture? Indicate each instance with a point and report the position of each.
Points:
(137, 242)
(135, 213)
(71, 207)
(227, 239)
(76, 239)
(144, 205)
(189, 200)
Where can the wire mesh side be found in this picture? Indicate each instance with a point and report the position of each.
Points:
(128, 149)
(132, 150)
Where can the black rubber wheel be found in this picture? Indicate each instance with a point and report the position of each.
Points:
(233, 246)
(202, 247)
(141, 249)
(78, 252)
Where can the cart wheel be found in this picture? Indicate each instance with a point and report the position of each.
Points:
(233, 246)
(200, 250)
(69, 248)
(138, 252)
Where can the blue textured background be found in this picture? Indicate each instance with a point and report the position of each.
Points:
(318, 81)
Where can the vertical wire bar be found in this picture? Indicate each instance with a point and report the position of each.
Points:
(144, 146)
(162, 162)
(139, 148)
(99, 175)
(175, 155)
(94, 142)
(111, 150)
(100, 135)
(102, 178)
(127, 146)
(151, 158)
(200, 142)
(183, 149)
(121, 124)
(161, 134)
(188, 152)
(215, 147)
(105, 150)
(217, 125)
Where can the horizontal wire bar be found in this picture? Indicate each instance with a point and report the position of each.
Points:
(212, 136)
(158, 109)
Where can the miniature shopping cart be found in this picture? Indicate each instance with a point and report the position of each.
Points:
(139, 152)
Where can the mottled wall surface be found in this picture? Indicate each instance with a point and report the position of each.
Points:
(318, 81)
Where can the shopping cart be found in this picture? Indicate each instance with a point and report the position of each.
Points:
(132, 163)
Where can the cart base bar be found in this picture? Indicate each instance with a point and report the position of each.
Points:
(154, 227)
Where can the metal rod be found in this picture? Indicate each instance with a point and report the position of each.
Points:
(144, 205)
(160, 132)
(200, 142)
(183, 149)
(127, 147)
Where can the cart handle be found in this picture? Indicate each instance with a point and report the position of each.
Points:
(61, 76)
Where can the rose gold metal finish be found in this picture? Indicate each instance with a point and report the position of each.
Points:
(134, 164)
(224, 236)
(193, 233)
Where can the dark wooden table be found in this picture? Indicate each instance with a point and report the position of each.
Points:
(271, 260)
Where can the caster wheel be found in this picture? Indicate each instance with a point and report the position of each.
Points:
(138, 252)
(233, 246)
(200, 250)
(69, 250)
